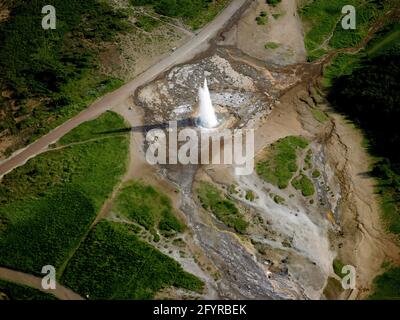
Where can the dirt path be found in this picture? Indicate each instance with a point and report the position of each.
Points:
(194, 46)
(29, 280)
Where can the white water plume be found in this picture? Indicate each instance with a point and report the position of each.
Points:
(207, 117)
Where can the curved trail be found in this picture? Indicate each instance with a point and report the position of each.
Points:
(194, 46)
(29, 280)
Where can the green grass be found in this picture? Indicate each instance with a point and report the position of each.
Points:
(109, 123)
(261, 20)
(277, 15)
(271, 45)
(147, 23)
(304, 184)
(341, 65)
(387, 285)
(319, 115)
(214, 200)
(48, 204)
(324, 30)
(232, 189)
(344, 64)
(281, 161)
(15, 291)
(194, 13)
(148, 207)
(316, 173)
(250, 195)
(273, 3)
(113, 263)
(387, 38)
(308, 160)
(278, 199)
(337, 267)
(206, 15)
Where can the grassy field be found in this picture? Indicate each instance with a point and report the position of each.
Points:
(113, 263)
(304, 184)
(49, 203)
(194, 13)
(106, 125)
(388, 37)
(15, 291)
(324, 31)
(148, 207)
(319, 115)
(280, 163)
(214, 200)
(271, 45)
(387, 286)
(337, 267)
(344, 64)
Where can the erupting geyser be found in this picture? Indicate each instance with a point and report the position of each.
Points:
(207, 117)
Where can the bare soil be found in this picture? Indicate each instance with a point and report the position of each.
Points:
(285, 29)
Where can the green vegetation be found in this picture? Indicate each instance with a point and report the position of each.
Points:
(304, 184)
(343, 64)
(387, 38)
(15, 291)
(307, 160)
(319, 115)
(261, 20)
(232, 189)
(387, 285)
(271, 45)
(281, 161)
(113, 263)
(316, 173)
(325, 32)
(338, 267)
(106, 125)
(51, 75)
(148, 207)
(196, 13)
(278, 199)
(48, 204)
(147, 23)
(250, 195)
(277, 15)
(273, 3)
(224, 209)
